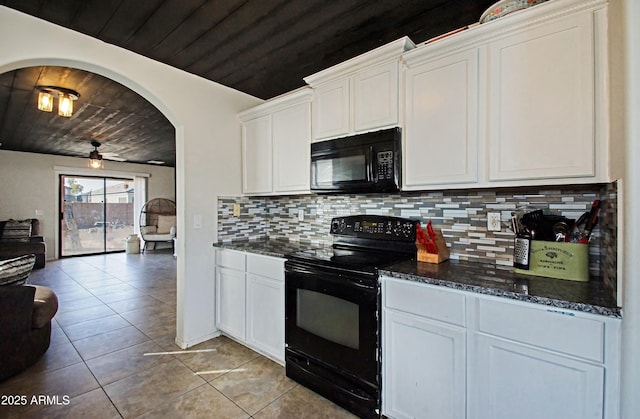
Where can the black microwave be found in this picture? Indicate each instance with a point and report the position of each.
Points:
(362, 163)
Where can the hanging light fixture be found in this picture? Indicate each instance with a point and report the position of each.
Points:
(45, 101)
(65, 99)
(95, 158)
(65, 105)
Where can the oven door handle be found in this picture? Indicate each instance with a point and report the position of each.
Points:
(345, 279)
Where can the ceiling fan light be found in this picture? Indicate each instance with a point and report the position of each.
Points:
(95, 158)
(96, 163)
(45, 101)
(65, 105)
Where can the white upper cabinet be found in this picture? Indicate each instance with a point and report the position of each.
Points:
(331, 109)
(361, 94)
(256, 155)
(541, 102)
(276, 138)
(441, 128)
(521, 100)
(376, 97)
(291, 128)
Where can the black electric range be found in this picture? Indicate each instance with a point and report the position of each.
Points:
(332, 309)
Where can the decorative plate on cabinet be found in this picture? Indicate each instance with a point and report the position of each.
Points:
(504, 7)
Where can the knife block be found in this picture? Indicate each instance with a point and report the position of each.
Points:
(441, 256)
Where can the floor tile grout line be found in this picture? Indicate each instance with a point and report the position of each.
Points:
(277, 398)
(102, 387)
(227, 397)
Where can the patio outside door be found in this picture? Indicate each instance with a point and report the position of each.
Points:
(96, 214)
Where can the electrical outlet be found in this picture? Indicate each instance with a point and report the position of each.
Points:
(493, 221)
(300, 215)
(236, 210)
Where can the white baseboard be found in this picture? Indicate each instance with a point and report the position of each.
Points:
(192, 342)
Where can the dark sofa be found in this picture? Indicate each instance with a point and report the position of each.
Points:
(35, 245)
(25, 326)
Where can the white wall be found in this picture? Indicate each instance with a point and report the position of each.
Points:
(631, 303)
(30, 183)
(207, 142)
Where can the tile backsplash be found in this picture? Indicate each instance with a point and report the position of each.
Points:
(460, 214)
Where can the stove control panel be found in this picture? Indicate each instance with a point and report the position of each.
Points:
(375, 227)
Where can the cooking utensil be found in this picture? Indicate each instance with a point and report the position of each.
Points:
(522, 250)
(532, 220)
(592, 220)
(431, 245)
(515, 224)
(561, 230)
(578, 228)
(428, 242)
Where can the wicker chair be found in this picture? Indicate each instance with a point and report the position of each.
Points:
(158, 222)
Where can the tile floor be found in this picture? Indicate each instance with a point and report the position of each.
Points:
(113, 355)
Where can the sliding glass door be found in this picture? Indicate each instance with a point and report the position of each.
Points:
(96, 214)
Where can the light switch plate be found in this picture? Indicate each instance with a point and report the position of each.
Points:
(236, 210)
(197, 221)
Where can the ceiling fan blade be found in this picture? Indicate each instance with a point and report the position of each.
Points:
(113, 157)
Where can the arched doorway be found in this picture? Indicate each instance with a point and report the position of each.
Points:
(97, 214)
(204, 115)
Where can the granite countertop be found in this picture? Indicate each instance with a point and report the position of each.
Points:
(482, 278)
(279, 248)
(502, 281)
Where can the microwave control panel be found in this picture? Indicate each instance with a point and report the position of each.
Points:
(385, 165)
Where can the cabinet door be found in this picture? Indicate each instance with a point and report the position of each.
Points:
(541, 102)
(518, 381)
(331, 109)
(291, 148)
(376, 97)
(230, 302)
(265, 315)
(441, 130)
(424, 368)
(256, 155)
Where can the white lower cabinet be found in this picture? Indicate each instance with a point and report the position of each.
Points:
(424, 351)
(424, 368)
(456, 354)
(519, 381)
(265, 315)
(230, 301)
(250, 300)
(230, 292)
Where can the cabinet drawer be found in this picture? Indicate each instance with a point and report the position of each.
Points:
(425, 300)
(270, 267)
(230, 259)
(550, 328)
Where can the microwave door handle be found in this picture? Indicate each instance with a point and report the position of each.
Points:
(371, 175)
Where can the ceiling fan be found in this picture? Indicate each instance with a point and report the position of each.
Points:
(96, 158)
(97, 155)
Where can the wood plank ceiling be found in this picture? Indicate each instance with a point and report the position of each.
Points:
(260, 47)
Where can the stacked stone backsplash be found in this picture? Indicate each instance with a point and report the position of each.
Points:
(460, 214)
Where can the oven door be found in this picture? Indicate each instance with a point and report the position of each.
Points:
(333, 318)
